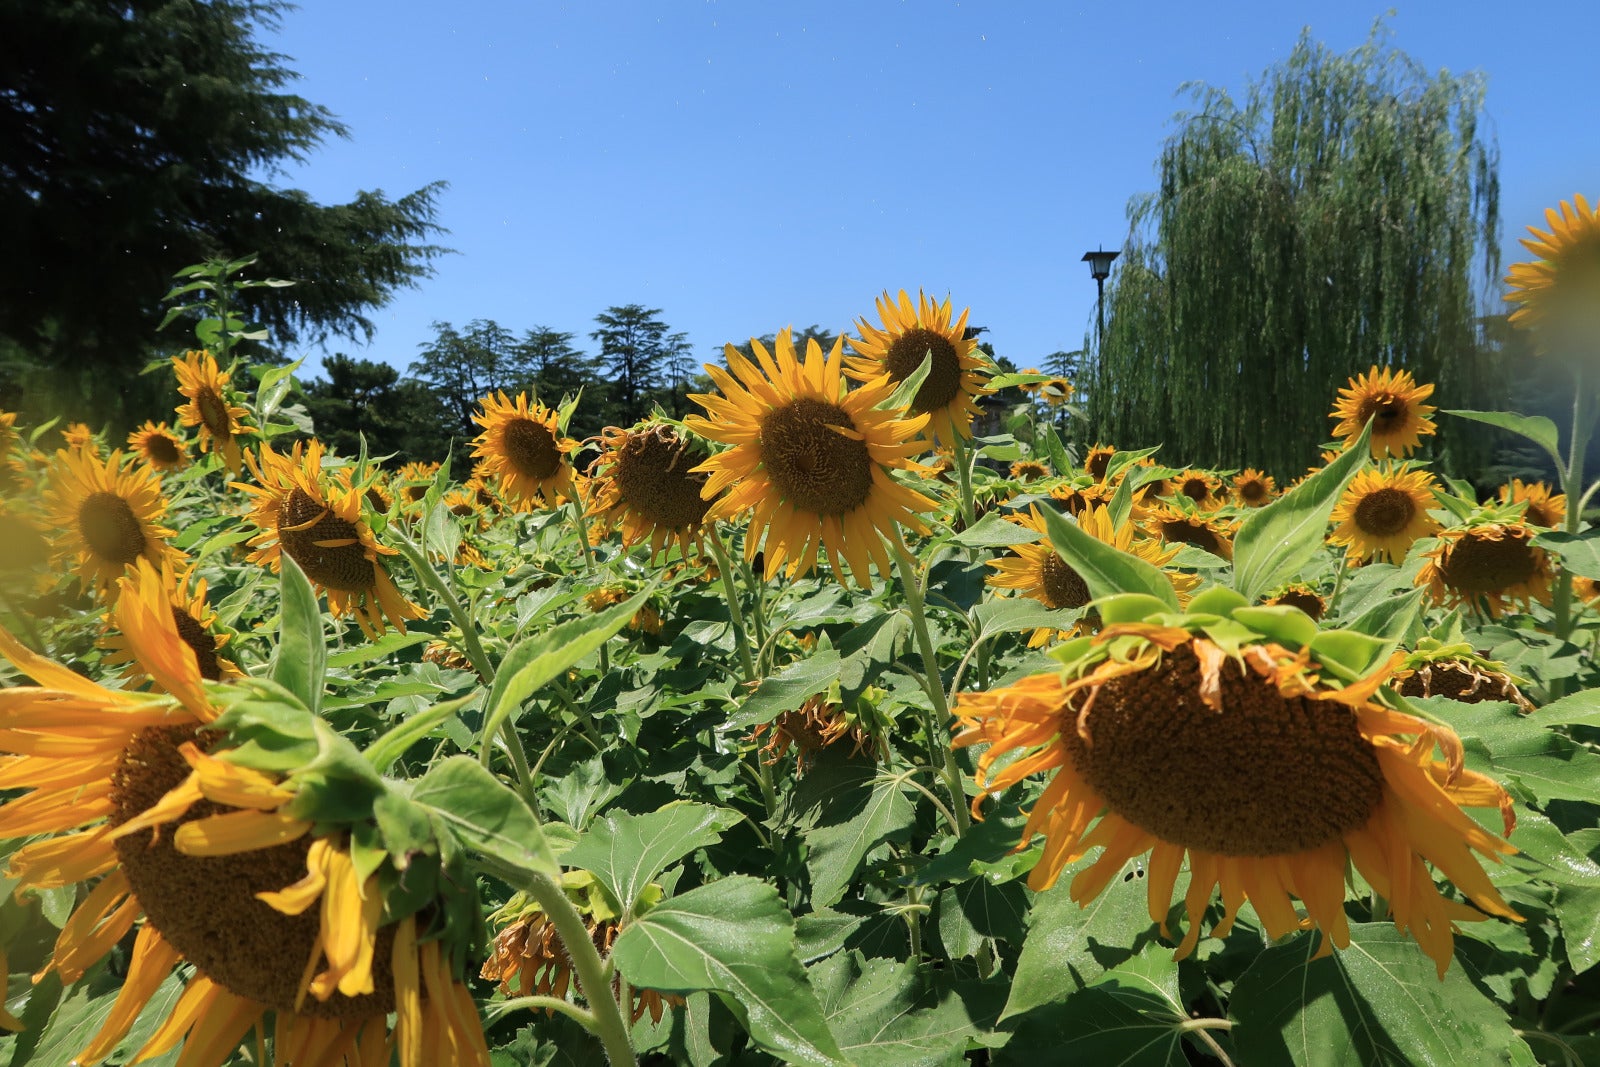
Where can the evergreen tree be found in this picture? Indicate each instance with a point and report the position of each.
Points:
(134, 136)
(1343, 215)
(634, 349)
(362, 398)
(555, 369)
(461, 367)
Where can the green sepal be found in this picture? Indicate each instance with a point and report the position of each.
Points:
(336, 786)
(1217, 600)
(267, 727)
(1284, 623)
(1347, 654)
(1129, 607)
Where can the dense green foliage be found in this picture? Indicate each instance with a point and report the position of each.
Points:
(1342, 215)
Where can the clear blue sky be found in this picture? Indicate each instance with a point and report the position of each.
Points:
(745, 166)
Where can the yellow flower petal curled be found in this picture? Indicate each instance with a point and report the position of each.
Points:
(237, 831)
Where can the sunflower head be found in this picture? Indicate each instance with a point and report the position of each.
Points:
(318, 524)
(522, 445)
(210, 406)
(820, 723)
(912, 333)
(415, 478)
(158, 446)
(1491, 567)
(1384, 511)
(1457, 671)
(105, 513)
(1097, 461)
(1253, 489)
(174, 589)
(1253, 754)
(78, 436)
(1077, 496)
(810, 460)
(1393, 401)
(1561, 286)
(1056, 391)
(646, 483)
(1199, 486)
(1302, 597)
(1541, 507)
(1029, 470)
(1183, 525)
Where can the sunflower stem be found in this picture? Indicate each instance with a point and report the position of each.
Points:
(579, 507)
(963, 467)
(938, 747)
(610, 1025)
(458, 614)
(1338, 584)
(535, 1001)
(1572, 487)
(735, 610)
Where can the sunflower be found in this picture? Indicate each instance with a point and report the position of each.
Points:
(191, 614)
(1056, 391)
(320, 526)
(819, 723)
(810, 461)
(1458, 672)
(1098, 461)
(1542, 507)
(1565, 278)
(1199, 486)
(157, 445)
(1384, 512)
(1586, 592)
(1172, 524)
(415, 478)
(1029, 470)
(1392, 400)
(105, 773)
(910, 334)
(104, 512)
(646, 483)
(1248, 762)
(77, 437)
(1302, 597)
(1253, 489)
(1489, 566)
(1074, 498)
(8, 431)
(209, 408)
(1030, 387)
(646, 620)
(1039, 571)
(522, 445)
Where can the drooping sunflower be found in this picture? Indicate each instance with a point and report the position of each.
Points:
(319, 525)
(810, 459)
(1384, 512)
(1178, 525)
(105, 514)
(1199, 486)
(1249, 762)
(646, 484)
(1393, 401)
(1490, 566)
(1564, 279)
(522, 445)
(910, 334)
(177, 589)
(208, 407)
(1458, 672)
(1543, 508)
(1038, 571)
(157, 445)
(1253, 489)
(819, 723)
(228, 889)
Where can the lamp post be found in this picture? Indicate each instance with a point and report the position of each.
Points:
(1100, 269)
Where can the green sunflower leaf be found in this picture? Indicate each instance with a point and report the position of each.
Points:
(1536, 428)
(1274, 542)
(1104, 569)
(627, 852)
(484, 814)
(300, 661)
(1580, 553)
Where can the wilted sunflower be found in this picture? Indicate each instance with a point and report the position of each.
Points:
(319, 525)
(1249, 763)
(1175, 525)
(1458, 672)
(1199, 486)
(157, 445)
(1544, 508)
(104, 513)
(106, 773)
(206, 386)
(910, 333)
(810, 461)
(1029, 470)
(1565, 278)
(1384, 512)
(1038, 571)
(646, 483)
(1253, 489)
(1393, 401)
(819, 723)
(176, 589)
(1098, 461)
(1488, 566)
(523, 447)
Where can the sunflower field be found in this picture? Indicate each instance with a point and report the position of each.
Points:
(814, 728)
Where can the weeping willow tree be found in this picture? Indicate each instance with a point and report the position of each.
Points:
(1344, 215)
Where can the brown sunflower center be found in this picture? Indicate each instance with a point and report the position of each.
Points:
(1197, 534)
(1253, 491)
(1267, 775)
(1539, 514)
(191, 633)
(309, 532)
(653, 479)
(1062, 586)
(162, 449)
(1195, 489)
(110, 528)
(1098, 463)
(1478, 564)
(214, 413)
(815, 467)
(1387, 412)
(376, 500)
(1385, 512)
(1304, 599)
(206, 906)
(530, 448)
(943, 382)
